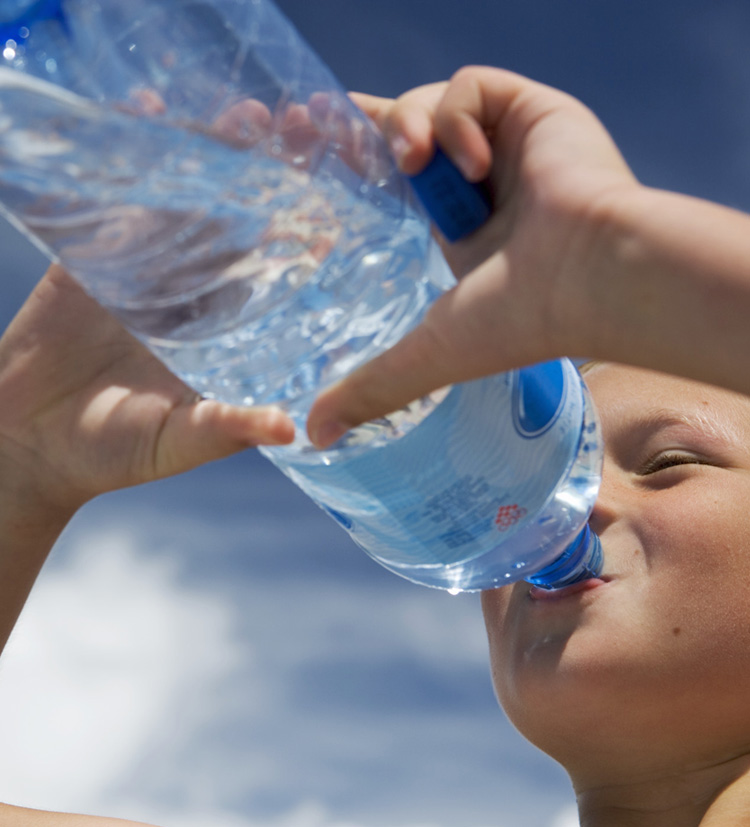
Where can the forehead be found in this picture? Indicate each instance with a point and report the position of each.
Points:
(623, 394)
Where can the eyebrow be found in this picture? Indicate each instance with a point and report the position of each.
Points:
(654, 419)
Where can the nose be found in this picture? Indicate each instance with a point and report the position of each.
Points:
(604, 512)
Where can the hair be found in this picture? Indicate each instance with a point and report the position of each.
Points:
(587, 365)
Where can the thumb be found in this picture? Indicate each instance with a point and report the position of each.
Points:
(438, 352)
(210, 430)
(404, 373)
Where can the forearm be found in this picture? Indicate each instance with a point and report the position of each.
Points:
(21, 817)
(29, 527)
(668, 288)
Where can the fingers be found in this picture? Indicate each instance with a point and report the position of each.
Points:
(248, 122)
(244, 124)
(299, 130)
(210, 430)
(390, 381)
(461, 116)
(341, 124)
(486, 110)
(469, 112)
(407, 123)
(376, 108)
(440, 351)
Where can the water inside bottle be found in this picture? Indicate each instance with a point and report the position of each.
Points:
(254, 280)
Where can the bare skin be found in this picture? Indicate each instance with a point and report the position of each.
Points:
(638, 686)
(23, 817)
(92, 411)
(578, 259)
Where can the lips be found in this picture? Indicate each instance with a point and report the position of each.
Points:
(551, 595)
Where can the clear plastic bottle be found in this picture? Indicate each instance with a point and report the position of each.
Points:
(487, 483)
(203, 176)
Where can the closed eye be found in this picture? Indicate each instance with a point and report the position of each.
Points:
(660, 462)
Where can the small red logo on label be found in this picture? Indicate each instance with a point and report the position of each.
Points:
(508, 515)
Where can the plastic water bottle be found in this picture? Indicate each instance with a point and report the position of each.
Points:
(202, 175)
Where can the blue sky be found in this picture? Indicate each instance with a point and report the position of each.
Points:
(212, 651)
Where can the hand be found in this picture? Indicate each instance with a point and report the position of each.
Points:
(86, 408)
(553, 170)
(300, 130)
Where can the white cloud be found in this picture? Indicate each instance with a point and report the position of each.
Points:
(106, 645)
(100, 662)
(566, 818)
(140, 684)
(307, 814)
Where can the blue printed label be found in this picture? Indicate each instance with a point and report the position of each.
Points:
(466, 480)
(538, 398)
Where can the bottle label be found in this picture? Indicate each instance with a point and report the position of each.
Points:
(538, 398)
(465, 480)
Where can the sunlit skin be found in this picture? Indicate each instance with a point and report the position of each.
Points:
(639, 687)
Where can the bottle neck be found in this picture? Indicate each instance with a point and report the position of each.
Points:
(581, 560)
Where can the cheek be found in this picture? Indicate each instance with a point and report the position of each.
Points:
(676, 626)
(697, 593)
(700, 545)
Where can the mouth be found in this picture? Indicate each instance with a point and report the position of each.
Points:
(556, 595)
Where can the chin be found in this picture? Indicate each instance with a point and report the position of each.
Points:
(560, 689)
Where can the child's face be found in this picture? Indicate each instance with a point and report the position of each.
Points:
(657, 658)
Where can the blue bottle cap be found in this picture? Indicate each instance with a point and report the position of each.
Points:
(457, 206)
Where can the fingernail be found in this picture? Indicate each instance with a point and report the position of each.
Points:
(278, 420)
(400, 147)
(329, 432)
(468, 165)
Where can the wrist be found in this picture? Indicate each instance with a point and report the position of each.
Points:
(585, 306)
(30, 523)
(605, 307)
(29, 510)
(667, 287)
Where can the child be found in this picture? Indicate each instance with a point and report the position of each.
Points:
(635, 682)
